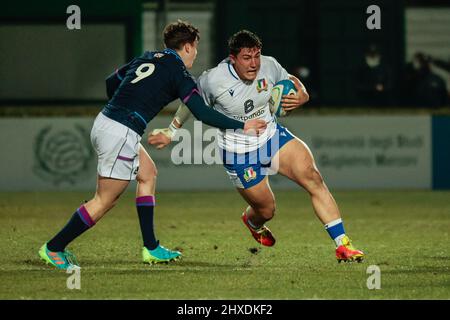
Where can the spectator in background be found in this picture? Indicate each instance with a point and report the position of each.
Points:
(422, 87)
(445, 65)
(442, 69)
(414, 71)
(374, 81)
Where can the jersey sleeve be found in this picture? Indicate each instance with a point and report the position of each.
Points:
(205, 90)
(210, 116)
(114, 79)
(276, 70)
(183, 82)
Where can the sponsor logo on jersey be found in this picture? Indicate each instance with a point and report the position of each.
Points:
(249, 174)
(252, 116)
(158, 55)
(231, 92)
(261, 85)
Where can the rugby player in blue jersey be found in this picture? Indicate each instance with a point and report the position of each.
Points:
(137, 92)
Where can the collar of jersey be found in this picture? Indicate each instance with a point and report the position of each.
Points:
(171, 51)
(232, 71)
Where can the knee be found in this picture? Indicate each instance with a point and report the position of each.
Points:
(148, 177)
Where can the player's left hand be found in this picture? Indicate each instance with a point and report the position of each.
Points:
(160, 138)
(291, 102)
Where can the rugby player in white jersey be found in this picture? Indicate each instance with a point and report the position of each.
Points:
(240, 88)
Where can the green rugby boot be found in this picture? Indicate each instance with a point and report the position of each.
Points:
(61, 260)
(159, 255)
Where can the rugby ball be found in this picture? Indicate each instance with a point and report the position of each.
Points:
(281, 88)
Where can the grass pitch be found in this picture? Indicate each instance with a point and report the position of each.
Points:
(405, 233)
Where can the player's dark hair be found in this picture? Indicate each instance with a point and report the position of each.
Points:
(177, 34)
(243, 39)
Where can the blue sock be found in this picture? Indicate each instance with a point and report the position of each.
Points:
(336, 230)
(79, 223)
(145, 206)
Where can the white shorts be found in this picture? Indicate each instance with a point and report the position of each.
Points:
(117, 148)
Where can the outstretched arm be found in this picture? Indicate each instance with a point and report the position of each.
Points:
(162, 137)
(213, 118)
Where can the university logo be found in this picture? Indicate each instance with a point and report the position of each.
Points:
(261, 85)
(249, 174)
(64, 155)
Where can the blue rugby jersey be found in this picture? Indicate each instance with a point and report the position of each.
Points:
(142, 87)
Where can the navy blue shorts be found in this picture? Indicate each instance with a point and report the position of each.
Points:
(248, 169)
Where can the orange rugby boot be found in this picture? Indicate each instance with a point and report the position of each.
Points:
(262, 235)
(347, 253)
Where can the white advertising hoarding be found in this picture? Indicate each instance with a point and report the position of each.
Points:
(369, 151)
(352, 152)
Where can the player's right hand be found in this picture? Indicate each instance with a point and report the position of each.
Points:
(255, 127)
(160, 138)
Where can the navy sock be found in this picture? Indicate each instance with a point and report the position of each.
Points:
(145, 206)
(79, 223)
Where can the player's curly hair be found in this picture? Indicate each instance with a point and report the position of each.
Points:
(177, 34)
(243, 39)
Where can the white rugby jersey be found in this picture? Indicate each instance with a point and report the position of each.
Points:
(223, 90)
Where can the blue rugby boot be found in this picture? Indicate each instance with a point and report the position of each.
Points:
(159, 255)
(61, 260)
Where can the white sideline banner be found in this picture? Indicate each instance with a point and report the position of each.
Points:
(352, 152)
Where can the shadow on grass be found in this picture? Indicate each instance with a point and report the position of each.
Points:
(418, 270)
(133, 264)
(439, 257)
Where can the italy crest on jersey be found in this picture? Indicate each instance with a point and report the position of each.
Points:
(249, 174)
(261, 85)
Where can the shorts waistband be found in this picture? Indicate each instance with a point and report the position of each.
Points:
(127, 117)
